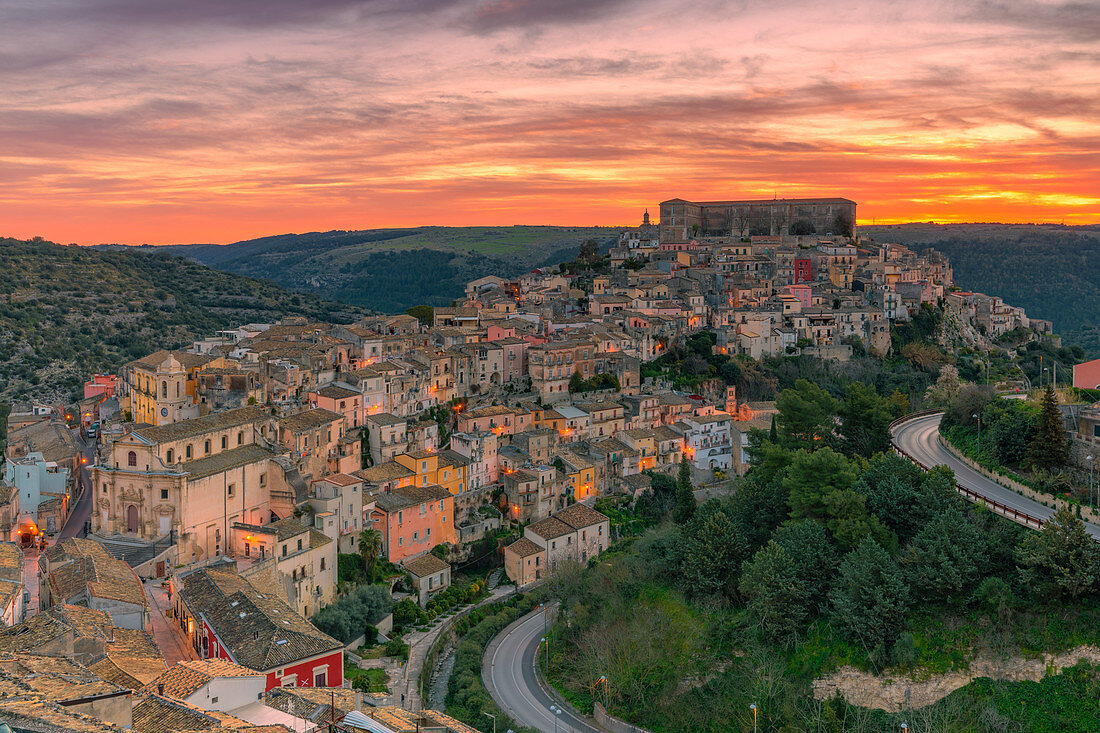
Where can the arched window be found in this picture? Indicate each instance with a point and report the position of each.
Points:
(171, 455)
(131, 459)
(164, 389)
(240, 438)
(177, 389)
(188, 452)
(225, 442)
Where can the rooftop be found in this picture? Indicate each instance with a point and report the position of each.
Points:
(200, 425)
(309, 419)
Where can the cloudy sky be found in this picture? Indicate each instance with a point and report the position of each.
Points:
(168, 121)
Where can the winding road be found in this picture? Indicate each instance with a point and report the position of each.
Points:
(919, 437)
(509, 664)
(509, 675)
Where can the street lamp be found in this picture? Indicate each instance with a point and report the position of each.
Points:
(904, 727)
(557, 712)
(979, 419)
(546, 641)
(494, 720)
(753, 709)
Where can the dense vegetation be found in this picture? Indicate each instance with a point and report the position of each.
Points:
(467, 698)
(392, 269)
(688, 366)
(68, 311)
(1049, 271)
(829, 553)
(349, 616)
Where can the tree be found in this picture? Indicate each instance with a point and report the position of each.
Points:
(842, 225)
(423, 313)
(972, 400)
(685, 494)
(947, 558)
(775, 591)
(714, 556)
(813, 476)
(577, 382)
(946, 389)
(865, 421)
(802, 226)
(590, 251)
(370, 547)
(869, 598)
(806, 415)
(1048, 447)
(1061, 559)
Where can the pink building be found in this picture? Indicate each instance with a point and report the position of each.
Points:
(1087, 375)
(804, 293)
(100, 384)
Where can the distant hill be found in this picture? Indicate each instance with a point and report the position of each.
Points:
(1051, 271)
(68, 311)
(392, 269)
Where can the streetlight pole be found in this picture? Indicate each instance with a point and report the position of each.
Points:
(753, 709)
(494, 720)
(979, 419)
(546, 641)
(557, 712)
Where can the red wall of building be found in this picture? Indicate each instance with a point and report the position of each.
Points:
(1087, 375)
(304, 669)
(803, 271)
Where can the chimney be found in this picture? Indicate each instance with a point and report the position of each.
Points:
(160, 688)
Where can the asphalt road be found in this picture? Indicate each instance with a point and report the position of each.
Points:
(509, 674)
(919, 438)
(82, 510)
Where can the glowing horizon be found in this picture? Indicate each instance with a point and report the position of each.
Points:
(148, 121)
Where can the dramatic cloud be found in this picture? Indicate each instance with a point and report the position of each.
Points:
(148, 120)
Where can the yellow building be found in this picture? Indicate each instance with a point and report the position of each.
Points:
(445, 468)
(162, 388)
(581, 474)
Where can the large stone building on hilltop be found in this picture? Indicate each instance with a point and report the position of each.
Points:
(682, 221)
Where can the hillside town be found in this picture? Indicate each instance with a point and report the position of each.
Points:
(172, 536)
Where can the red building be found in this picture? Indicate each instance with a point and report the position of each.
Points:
(100, 384)
(226, 617)
(803, 270)
(1087, 375)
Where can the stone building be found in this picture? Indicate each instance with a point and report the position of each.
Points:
(682, 221)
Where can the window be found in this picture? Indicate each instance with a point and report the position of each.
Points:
(131, 458)
(229, 490)
(299, 543)
(284, 550)
(188, 451)
(322, 563)
(240, 438)
(171, 455)
(400, 517)
(225, 442)
(206, 447)
(263, 479)
(164, 493)
(104, 488)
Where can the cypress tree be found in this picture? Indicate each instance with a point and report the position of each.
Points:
(685, 496)
(1048, 447)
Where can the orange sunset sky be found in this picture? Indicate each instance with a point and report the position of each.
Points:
(218, 120)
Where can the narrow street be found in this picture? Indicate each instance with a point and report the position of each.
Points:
(170, 638)
(82, 507)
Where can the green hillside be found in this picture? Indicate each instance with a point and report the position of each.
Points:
(1052, 272)
(69, 311)
(392, 269)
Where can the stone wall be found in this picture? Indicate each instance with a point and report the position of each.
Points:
(613, 724)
